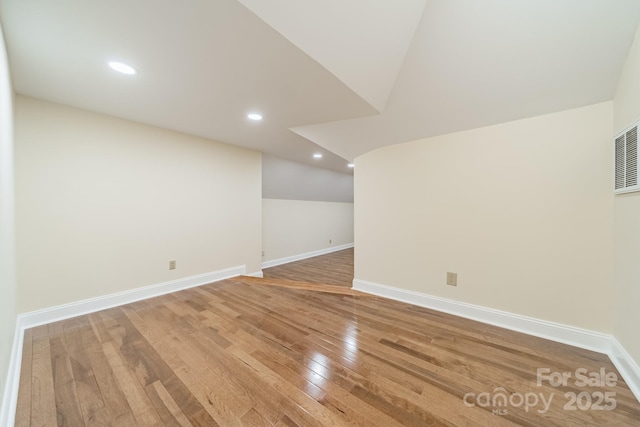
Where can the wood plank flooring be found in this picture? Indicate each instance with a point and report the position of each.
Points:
(248, 352)
(335, 268)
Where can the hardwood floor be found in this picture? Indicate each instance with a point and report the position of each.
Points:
(251, 352)
(335, 268)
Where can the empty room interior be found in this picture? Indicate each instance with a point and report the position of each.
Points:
(321, 213)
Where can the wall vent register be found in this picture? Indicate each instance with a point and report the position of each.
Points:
(626, 160)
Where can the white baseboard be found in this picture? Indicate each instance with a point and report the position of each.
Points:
(65, 311)
(582, 338)
(79, 308)
(565, 334)
(10, 396)
(305, 255)
(627, 367)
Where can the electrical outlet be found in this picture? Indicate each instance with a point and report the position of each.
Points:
(262, 253)
(452, 279)
(172, 265)
(329, 241)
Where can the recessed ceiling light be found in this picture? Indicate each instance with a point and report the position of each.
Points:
(123, 68)
(317, 156)
(350, 165)
(254, 116)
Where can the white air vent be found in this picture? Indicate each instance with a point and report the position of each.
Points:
(626, 158)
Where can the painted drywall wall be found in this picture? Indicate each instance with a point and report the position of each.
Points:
(521, 211)
(104, 204)
(304, 207)
(7, 248)
(626, 210)
(287, 180)
(294, 227)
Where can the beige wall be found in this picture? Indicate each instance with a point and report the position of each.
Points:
(287, 180)
(627, 218)
(521, 211)
(103, 205)
(294, 227)
(7, 249)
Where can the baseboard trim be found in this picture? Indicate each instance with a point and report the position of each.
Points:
(305, 255)
(10, 396)
(577, 337)
(627, 367)
(565, 334)
(79, 308)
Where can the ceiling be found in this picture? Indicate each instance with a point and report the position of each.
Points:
(329, 76)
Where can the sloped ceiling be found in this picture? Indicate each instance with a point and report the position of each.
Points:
(330, 76)
(362, 42)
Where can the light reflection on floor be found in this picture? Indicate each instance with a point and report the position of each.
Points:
(319, 366)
